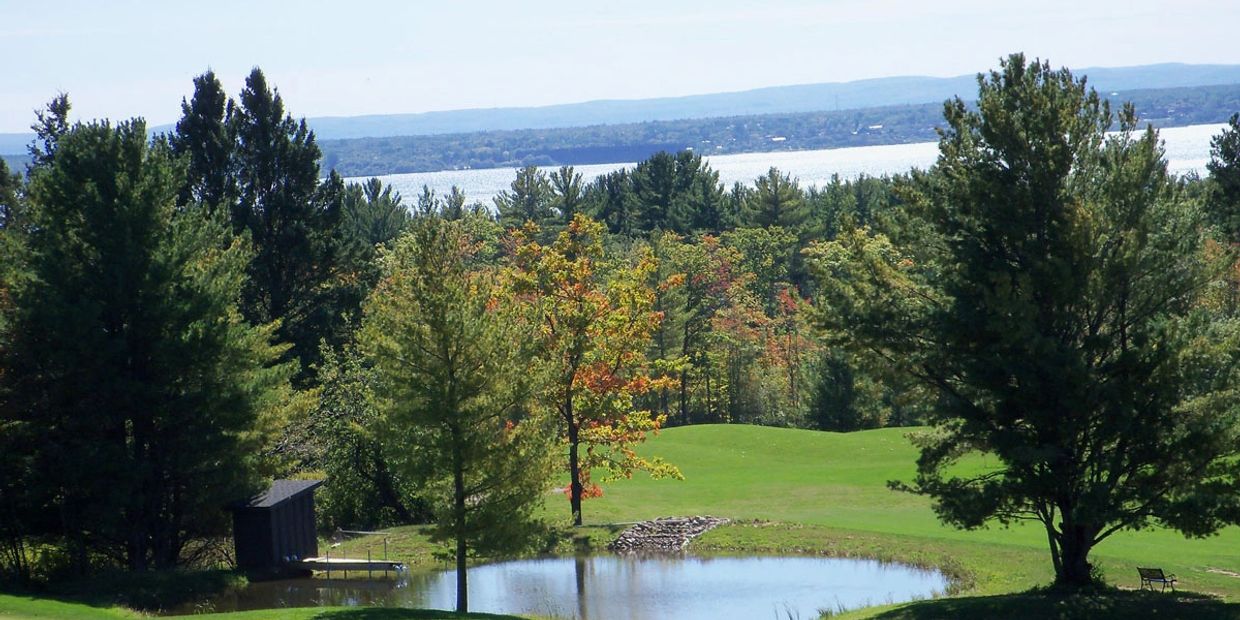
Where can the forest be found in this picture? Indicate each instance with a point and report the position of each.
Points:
(629, 142)
(185, 316)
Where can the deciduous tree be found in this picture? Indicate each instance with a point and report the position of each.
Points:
(454, 385)
(594, 322)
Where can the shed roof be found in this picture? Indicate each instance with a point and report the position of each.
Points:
(279, 492)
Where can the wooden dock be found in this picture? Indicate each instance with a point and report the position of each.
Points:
(329, 564)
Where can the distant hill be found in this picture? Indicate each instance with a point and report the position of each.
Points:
(837, 96)
(774, 100)
(755, 133)
(14, 143)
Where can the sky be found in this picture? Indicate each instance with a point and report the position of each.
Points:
(122, 58)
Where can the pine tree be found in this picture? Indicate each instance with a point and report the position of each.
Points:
(126, 355)
(567, 190)
(528, 199)
(1224, 167)
(292, 222)
(204, 138)
(614, 202)
(1056, 303)
(776, 200)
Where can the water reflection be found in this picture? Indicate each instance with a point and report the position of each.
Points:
(623, 588)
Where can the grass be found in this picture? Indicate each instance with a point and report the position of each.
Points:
(833, 486)
(813, 493)
(27, 608)
(805, 492)
(16, 606)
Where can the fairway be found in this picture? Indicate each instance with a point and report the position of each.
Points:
(839, 480)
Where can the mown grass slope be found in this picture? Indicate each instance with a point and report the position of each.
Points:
(838, 481)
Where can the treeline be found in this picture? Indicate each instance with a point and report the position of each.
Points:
(1165, 107)
(185, 316)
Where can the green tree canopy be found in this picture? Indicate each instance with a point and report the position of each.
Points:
(1055, 305)
(528, 199)
(1224, 167)
(203, 136)
(126, 357)
(295, 274)
(776, 201)
(454, 385)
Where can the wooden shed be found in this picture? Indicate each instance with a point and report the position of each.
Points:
(277, 526)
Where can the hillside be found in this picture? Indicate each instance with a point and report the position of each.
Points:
(597, 144)
(839, 481)
(774, 100)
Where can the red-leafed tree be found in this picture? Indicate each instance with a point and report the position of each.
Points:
(595, 321)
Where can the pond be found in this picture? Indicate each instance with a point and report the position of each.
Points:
(630, 587)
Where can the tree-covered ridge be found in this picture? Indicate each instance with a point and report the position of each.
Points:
(595, 144)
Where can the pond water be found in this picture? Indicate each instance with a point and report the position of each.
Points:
(607, 587)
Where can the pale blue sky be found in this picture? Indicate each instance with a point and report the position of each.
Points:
(122, 58)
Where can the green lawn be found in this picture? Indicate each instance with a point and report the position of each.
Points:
(28, 608)
(807, 492)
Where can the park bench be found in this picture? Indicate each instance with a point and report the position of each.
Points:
(1151, 576)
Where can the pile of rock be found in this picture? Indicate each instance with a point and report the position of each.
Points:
(663, 534)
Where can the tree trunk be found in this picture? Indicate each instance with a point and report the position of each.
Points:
(684, 398)
(458, 508)
(574, 474)
(1075, 543)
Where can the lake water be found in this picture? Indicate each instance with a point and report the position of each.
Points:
(1188, 150)
(609, 587)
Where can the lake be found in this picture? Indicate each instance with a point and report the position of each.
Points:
(613, 587)
(1188, 150)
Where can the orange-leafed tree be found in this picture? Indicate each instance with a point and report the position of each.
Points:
(595, 319)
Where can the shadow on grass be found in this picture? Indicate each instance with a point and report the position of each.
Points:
(1050, 605)
(146, 590)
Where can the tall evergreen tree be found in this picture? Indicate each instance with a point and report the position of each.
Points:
(17, 509)
(50, 123)
(614, 202)
(292, 222)
(126, 356)
(528, 199)
(1056, 305)
(776, 200)
(204, 138)
(10, 185)
(567, 189)
(662, 184)
(712, 210)
(1224, 167)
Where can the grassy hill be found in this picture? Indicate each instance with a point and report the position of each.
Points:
(838, 482)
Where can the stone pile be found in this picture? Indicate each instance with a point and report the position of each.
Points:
(663, 534)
